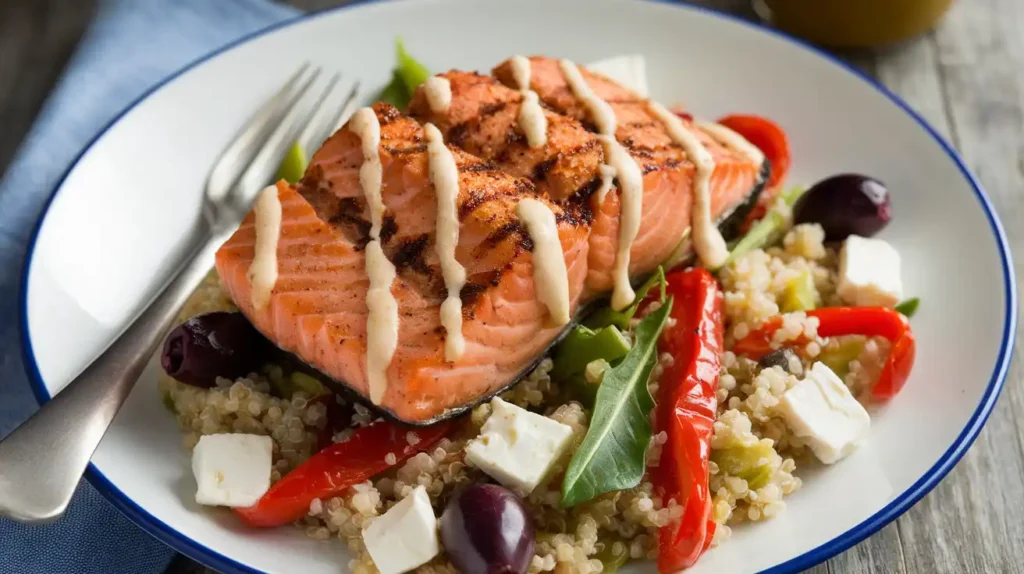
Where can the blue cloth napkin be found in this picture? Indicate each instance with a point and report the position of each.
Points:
(131, 45)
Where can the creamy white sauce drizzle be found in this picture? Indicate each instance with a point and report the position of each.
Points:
(444, 174)
(707, 240)
(382, 318)
(262, 272)
(438, 91)
(626, 170)
(549, 273)
(600, 111)
(732, 140)
(607, 181)
(531, 116)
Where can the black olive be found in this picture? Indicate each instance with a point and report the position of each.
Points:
(845, 205)
(779, 358)
(486, 530)
(218, 344)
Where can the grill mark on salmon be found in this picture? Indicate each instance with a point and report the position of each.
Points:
(569, 159)
(407, 150)
(410, 255)
(540, 171)
(317, 308)
(319, 299)
(668, 174)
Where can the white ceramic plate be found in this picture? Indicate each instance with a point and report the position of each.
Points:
(122, 212)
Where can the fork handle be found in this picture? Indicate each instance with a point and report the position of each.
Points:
(43, 459)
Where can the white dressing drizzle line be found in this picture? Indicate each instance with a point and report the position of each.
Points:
(707, 240)
(382, 319)
(438, 91)
(444, 174)
(262, 272)
(732, 140)
(531, 115)
(549, 273)
(626, 170)
(600, 111)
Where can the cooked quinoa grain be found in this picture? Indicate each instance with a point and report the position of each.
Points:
(754, 455)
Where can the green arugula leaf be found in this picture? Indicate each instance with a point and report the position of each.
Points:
(612, 454)
(908, 307)
(607, 316)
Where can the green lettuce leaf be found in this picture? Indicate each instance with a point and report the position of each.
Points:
(612, 454)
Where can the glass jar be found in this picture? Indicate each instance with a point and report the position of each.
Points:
(852, 23)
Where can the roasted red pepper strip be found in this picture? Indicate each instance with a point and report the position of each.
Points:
(772, 141)
(839, 321)
(336, 468)
(686, 412)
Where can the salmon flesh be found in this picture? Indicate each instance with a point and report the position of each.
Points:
(317, 309)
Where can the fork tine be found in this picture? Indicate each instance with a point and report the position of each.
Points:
(312, 135)
(346, 109)
(240, 152)
(270, 155)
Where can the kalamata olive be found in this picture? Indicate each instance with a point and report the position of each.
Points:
(218, 344)
(845, 205)
(777, 358)
(486, 530)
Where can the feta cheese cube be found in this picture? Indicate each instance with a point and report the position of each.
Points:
(821, 410)
(630, 71)
(404, 537)
(232, 469)
(869, 273)
(516, 447)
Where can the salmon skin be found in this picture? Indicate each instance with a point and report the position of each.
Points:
(317, 309)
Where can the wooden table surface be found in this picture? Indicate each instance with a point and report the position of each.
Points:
(966, 78)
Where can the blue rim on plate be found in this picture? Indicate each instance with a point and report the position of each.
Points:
(890, 512)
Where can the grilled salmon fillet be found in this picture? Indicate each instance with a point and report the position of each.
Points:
(483, 119)
(317, 308)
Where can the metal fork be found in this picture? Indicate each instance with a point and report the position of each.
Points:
(42, 461)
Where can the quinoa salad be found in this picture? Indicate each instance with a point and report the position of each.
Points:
(647, 431)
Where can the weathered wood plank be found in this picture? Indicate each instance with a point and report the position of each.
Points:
(968, 523)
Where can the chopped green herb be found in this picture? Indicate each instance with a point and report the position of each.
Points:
(612, 454)
(909, 307)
